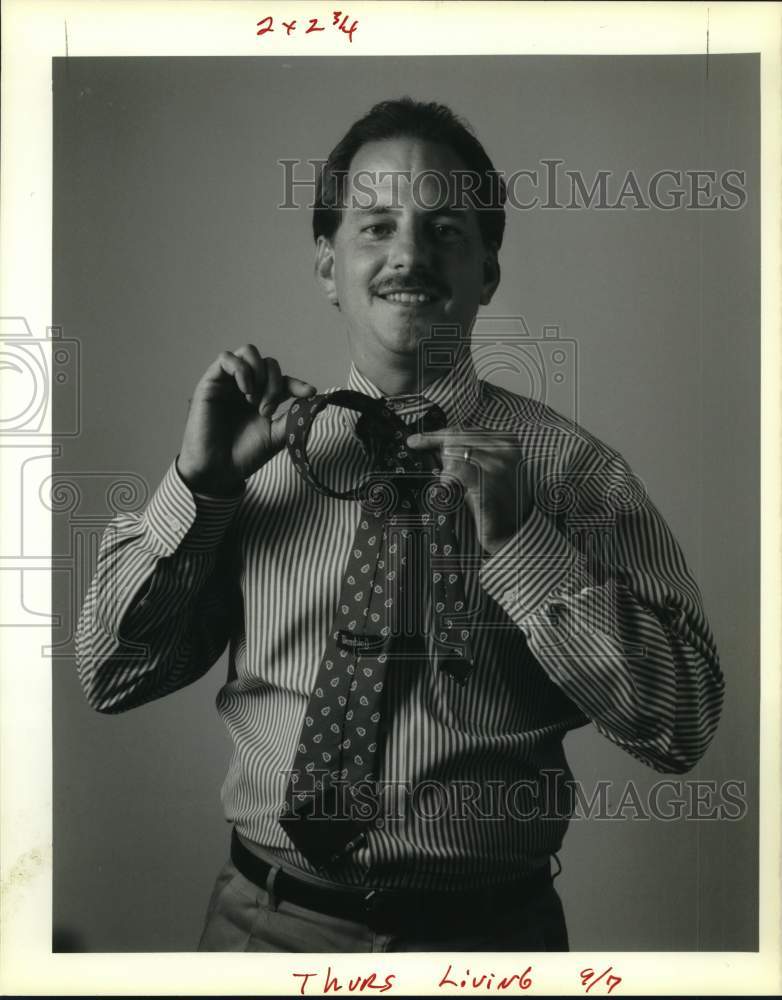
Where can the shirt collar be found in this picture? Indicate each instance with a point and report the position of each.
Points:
(456, 391)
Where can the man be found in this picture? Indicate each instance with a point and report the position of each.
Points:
(403, 669)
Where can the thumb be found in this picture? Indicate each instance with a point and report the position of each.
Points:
(297, 387)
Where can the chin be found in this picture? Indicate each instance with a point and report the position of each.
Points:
(406, 341)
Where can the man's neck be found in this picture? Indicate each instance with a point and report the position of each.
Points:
(402, 380)
(452, 385)
(390, 379)
(397, 385)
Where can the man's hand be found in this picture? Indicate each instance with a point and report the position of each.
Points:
(490, 469)
(230, 432)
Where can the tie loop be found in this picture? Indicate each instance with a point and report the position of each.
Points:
(381, 423)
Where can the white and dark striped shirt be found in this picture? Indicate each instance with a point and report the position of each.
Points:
(588, 613)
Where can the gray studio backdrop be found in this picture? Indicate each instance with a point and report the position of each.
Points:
(168, 247)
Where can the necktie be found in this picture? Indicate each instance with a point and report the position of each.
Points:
(406, 513)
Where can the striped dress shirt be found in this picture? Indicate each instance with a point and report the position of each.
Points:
(588, 613)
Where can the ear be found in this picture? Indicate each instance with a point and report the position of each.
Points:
(324, 269)
(491, 274)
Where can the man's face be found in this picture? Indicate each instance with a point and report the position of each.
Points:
(408, 260)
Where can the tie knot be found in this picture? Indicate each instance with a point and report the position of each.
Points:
(407, 406)
(417, 410)
(384, 442)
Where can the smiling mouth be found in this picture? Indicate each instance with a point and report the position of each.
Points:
(409, 298)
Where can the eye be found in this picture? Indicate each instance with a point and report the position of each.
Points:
(447, 231)
(377, 229)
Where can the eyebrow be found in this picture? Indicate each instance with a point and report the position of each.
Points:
(390, 210)
(374, 210)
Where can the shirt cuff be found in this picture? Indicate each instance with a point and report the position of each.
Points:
(179, 518)
(534, 568)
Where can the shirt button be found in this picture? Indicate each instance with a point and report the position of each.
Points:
(671, 614)
(555, 611)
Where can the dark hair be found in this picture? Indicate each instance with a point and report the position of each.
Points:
(419, 120)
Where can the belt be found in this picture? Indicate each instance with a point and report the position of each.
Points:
(394, 909)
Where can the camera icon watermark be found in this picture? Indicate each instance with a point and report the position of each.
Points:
(80, 507)
(542, 369)
(40, 377)
(84, 506)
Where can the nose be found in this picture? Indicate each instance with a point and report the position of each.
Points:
(410, 249)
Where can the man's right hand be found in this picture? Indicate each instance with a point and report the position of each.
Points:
(230, 432)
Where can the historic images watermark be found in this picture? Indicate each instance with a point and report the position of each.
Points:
(552, 795)
(550, 185)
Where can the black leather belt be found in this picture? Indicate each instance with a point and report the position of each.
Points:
(389, 910)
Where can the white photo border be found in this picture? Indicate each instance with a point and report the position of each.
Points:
(35, 32)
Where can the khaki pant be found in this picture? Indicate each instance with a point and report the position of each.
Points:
(242, 917)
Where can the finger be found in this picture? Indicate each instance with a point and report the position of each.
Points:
(228, 366)
(251, 354)
(271, 387)
(296, 387)
(453, 457)
(272, 393)
(467, 473)
(459, 439)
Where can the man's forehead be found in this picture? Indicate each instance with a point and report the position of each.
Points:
(399, 166)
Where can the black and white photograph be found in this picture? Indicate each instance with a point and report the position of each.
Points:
(403, 469)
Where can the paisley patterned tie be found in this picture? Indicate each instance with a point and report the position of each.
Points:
(405, 533)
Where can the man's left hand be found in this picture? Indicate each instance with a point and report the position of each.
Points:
(490, 467)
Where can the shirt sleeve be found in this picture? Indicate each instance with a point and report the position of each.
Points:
(613, 615)
(161, 605)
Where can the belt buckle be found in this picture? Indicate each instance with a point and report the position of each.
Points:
(370, 901)
(373, 908)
